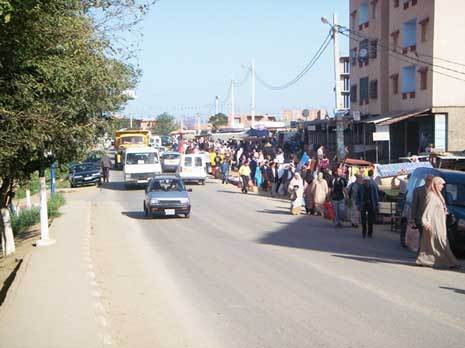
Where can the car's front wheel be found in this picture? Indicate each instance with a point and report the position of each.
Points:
(187, 216)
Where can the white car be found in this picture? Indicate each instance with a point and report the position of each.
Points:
(193, 167)
(140, 164)
(170, 161)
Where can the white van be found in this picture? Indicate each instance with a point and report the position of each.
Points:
(140, 164)
(155, 140)
(193, 167)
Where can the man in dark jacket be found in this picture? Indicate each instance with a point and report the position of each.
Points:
(105, 164)
(367, 203)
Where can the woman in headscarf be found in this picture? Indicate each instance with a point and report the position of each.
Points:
(320, 192)
(353, 191)
(296, 191)
(434, 246)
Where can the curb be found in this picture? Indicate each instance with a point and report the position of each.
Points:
(11, 291)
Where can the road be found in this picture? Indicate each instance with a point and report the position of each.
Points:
(242, 272)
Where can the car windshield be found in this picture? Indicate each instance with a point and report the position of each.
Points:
(166, 185)
(142, 158)
(133, 140)
(84, 168)
(455, 194)
(171, 156)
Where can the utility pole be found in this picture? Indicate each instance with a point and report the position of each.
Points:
(252, 113)
(231, 116)
(337, 93)
(217, 105)
(130, 121)
(198, 123)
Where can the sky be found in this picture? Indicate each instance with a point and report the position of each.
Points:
(191, 50)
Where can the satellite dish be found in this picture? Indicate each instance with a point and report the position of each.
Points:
(305, 113)
(363, 53)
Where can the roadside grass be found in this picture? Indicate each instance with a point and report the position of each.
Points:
(30, 217)
(61, 176)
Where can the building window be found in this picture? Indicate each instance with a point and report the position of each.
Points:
(424, 29)
(406, 4)
(409, 81)
(423, 77)
(353, 19)
(353, 56)
(395, 84)
(409, 34)
(373, 8)
(353, 93)
(363, 13)
(396, 3)
(346, 101)
(374, 89)
(373, 49)
(395, 40)
(414, 2)
(363, 52)
(364, 91)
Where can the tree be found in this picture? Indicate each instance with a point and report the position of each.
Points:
(166, 123)
(58, 86)
(218, 120)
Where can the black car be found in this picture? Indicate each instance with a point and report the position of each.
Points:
(454, 194)
(84, 174)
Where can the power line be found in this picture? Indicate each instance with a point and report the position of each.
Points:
(403, 57)
(307, 68)
(399, 53)
(244, 80)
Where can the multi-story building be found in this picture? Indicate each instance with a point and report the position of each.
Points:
(407, 72)
(343, 102)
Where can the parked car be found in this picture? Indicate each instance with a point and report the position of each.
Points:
(170, 161)
(166, 195)
(193, 168)
(84, 174)
(454, 194)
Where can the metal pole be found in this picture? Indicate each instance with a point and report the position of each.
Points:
(252, 113)
(389, 146)
(337, 94)
(217, 105)
(376, 152)
(52, 176)
(231, 118)
(336, 62)
(130, 121)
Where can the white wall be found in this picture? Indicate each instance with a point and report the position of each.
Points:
(449, 38)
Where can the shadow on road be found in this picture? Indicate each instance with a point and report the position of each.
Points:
(458, 291)
(140, 215)
(315, 233)
(119, 186)
(375, 260)
(274, 212)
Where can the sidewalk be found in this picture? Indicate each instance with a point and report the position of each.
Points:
(52, 302)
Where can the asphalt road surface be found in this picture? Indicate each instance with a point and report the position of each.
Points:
(243, 272)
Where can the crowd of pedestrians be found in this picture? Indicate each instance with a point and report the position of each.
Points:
(315, 185)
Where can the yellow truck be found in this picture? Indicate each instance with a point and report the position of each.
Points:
(129, 138)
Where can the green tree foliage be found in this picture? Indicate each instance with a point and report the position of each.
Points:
(166, 123)
(218, 120)
(58, 83)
